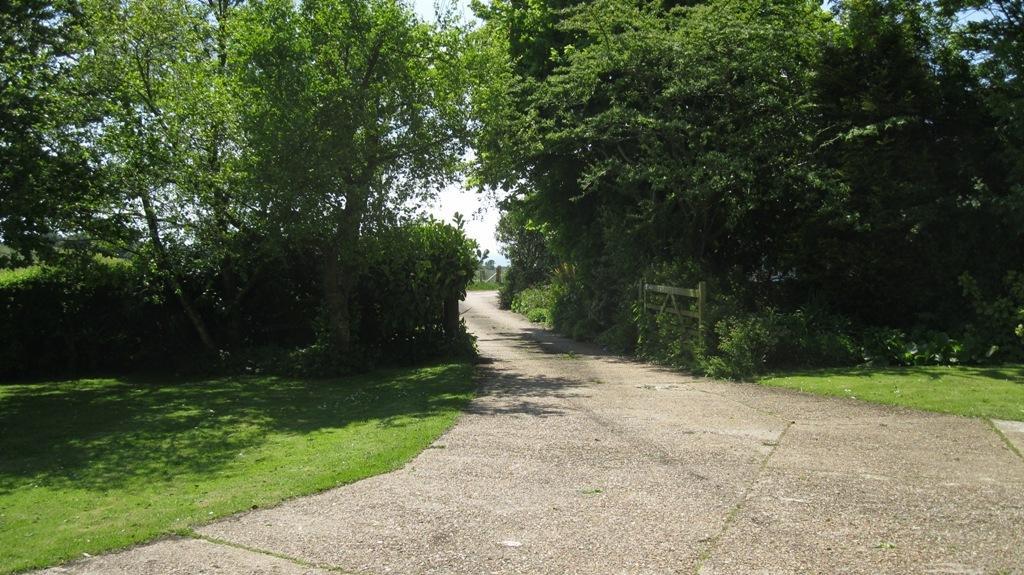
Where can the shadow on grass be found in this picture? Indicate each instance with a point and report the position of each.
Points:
(102, 434)
(1012, 373)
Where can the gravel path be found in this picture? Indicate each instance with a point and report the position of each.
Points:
(573, 461)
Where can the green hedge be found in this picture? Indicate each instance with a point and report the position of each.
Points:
(410, 272)
(536, 303)
(101, 315)
(80, 317)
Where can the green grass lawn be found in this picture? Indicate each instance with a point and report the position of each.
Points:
(91, 465)
(483, 286)
(996, 392)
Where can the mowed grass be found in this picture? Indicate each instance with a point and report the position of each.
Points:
(996, 392)
(92, 465)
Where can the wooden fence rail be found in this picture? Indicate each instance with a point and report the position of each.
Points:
(495, 274)
(663, 299)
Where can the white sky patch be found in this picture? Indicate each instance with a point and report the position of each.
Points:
(425, 8)
(479, 212)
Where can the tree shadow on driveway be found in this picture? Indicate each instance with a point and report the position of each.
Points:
(508, 393)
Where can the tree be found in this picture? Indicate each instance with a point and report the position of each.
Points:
(776, 147)
(45, 175)
(665, 135)
(914, 154)
(991, 32)
(356, 112)
(527, 245)
(167, 131)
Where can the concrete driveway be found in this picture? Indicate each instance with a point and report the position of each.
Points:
(573, 461)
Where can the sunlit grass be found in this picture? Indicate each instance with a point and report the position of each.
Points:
(92, 465)
(483, 286)
(996, 392)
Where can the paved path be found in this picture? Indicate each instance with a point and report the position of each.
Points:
(571, 461)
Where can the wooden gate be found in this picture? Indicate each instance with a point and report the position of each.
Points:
(666, 299)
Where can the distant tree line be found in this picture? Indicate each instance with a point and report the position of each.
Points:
(242, 176)
(848, 180)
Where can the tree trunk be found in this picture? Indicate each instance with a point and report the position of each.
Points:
(222, 200)
(450, 317)
(337, 290)
(164, 262)
(234, 310)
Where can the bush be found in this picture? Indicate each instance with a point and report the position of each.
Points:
(508, 290)
(664, 339)
(812, 337)
(751, 344)
(747, 345)
(536, 304)
(997, 327)
(411, 272)
(886, 346)
(83, 315)
(744, 347)
(90, 315)
(528, 247)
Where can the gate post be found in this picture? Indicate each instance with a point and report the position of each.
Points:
(702, 295)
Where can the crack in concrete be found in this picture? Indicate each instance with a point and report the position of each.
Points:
(730, 517)
(282, 556)
(1006, 440)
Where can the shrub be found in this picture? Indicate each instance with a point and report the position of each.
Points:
(81, 315)
(997, 326)
(528, 246)
(886, 346)
(664, 339)
(536, 304)
(508, 290)
(746, 345)
(813, 337)
(92, 315)
(620, 337)
(411, 272)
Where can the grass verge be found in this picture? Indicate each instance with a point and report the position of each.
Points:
(996, 392)
(98, 464)
(483, 286)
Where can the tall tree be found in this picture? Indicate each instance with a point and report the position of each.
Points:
(356, 111)
(44, 173)
(665, 134)
(159, 71)
(913, 147)
(991, 32)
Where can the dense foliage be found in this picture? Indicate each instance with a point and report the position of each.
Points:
(45, 170)
(258, 166)
(847, 181)
(85, 315)
(93, 315)
(526, 245)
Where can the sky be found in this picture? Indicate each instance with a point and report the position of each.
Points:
(479, 211)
